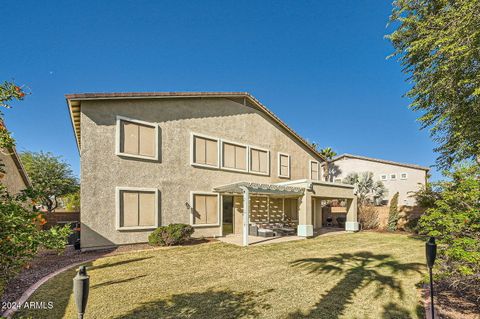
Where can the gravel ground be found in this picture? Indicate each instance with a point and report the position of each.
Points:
(47, 262)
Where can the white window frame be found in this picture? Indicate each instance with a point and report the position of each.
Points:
(278, 164)
(192, 150)
(250, 147)
(247, 162)
(118, 207)
(390, 176)
(404, 178)
(192, 205)
(310, 170)
(384, 175)
(118, 138)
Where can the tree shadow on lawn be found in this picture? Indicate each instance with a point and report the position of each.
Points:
(208, 304)
(359, 270)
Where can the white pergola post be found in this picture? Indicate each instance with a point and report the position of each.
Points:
(246, 213)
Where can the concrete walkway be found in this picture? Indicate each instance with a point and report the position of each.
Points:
(237, 239)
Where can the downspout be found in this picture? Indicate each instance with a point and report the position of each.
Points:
(246, 212)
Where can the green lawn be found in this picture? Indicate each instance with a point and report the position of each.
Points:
(362, 275)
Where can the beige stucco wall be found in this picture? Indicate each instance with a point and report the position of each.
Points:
(172, 174)
(415, 177)
(12, 179)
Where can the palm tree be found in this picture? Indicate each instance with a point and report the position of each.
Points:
(329, 154)
(367, 190)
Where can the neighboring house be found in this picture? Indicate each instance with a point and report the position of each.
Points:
(151, 159)
(397, 177)
(14, 176)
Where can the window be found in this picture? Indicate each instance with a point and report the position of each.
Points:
(291, 208)
(137, 208)
(393, 177)
(403, 176)
(205, 209)
(234, 156)
(283, 165)
(259, 161)
(383, 177)
(136, 138)
(205, 151)
(314, 170)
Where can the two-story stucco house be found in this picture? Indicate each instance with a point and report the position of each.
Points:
(397, 177)
(217, 161)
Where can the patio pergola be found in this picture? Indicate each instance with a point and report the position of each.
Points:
(247, 189)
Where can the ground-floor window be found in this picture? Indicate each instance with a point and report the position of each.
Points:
(205, 209)
(137, 208)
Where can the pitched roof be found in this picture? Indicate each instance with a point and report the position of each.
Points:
(20, 167)
(74, 104)
(379, 161)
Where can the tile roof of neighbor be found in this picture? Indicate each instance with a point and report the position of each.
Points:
(379, 161)
(75, 118)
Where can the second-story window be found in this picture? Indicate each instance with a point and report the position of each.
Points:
(259, 161)
(314, 170)
(205, 151)
(234, 156)
(136, 139)
(283, 165)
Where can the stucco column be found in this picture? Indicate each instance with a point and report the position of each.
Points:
(352, 221)
(246, 213)
(305, 218)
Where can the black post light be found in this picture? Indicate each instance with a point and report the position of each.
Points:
(431, 252)
(81, 284)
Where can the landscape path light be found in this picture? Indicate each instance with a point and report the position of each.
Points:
(431, 252)
(81, 284)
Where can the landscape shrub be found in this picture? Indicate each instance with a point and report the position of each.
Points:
(173, 234)
(393, 214)
(368, 216)
(20, 236)
(454, 219)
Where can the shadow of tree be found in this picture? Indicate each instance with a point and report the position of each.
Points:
(359, 270)
(208, 304)
(112, 282)
(118, 263)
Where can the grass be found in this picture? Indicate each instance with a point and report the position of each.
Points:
(362, 275)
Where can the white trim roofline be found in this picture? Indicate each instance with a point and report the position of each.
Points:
(346, 155)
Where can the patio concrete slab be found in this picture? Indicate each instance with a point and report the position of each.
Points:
(237, 239)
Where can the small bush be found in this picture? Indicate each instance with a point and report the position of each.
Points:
(173, 234)
(393, 214)
(368, 216)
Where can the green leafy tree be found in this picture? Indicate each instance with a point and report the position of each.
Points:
(20, 236)
(367, 190)
(454, 219)
(393, 214)
(51, 178)
(329, 154)
(438, 45)
(72, 201)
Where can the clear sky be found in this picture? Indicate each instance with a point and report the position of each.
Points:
(319, 65)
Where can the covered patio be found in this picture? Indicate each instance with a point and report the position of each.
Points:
(275, 210)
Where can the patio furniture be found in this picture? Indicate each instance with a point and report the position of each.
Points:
(253, 230)
(285, 231)
(329, 221)
(263, 232)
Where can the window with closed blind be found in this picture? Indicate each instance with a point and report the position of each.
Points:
(234, 156)
(283, 165)
(314, 170)
(205, 151)
(205, 209)
(259, 161)
(137, 139)
(137, 208)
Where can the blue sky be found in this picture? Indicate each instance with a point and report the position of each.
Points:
(319, 65)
